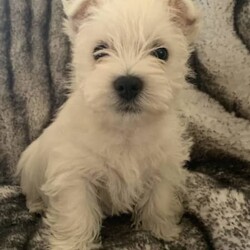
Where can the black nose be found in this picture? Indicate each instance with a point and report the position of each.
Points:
(128, 87)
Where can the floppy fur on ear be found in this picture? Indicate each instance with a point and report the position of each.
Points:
(186, 16)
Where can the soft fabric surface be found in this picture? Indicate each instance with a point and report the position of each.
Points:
(34, 57)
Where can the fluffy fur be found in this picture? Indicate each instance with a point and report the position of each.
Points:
(95, 160)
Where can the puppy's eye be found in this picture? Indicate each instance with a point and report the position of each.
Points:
(99, 51)
(161, 53)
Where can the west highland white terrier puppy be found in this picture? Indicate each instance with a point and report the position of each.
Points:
(117, 145)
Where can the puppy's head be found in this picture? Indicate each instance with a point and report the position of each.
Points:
(129, 56)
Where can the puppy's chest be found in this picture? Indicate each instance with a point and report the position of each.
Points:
(128, 175)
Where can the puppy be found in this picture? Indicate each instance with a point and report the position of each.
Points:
(117, 145)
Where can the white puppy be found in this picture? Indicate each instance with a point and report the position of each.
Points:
(117, 144)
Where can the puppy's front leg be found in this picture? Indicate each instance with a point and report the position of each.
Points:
(73, 216)
(160, 211)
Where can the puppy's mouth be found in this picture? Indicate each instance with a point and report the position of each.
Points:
(128, 108)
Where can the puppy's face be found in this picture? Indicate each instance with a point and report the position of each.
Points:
(129, 57)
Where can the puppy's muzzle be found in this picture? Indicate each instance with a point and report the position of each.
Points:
(128, 87)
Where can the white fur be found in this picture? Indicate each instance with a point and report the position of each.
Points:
(94, 161)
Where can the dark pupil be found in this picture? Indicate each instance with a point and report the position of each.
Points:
(161, 53)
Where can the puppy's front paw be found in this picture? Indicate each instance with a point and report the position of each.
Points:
(160, 212)
(73, 216)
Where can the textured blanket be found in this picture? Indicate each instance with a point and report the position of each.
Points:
(34, 57)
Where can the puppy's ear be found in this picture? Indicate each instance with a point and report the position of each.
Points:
(76, 11)
(186, 16)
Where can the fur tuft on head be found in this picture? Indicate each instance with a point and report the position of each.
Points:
(184, 14)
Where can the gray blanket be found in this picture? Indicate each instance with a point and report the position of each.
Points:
(34, 57)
